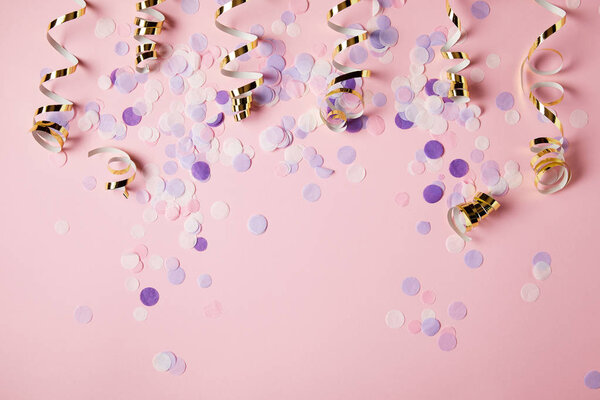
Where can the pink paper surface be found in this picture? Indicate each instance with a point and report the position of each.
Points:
(298, 312)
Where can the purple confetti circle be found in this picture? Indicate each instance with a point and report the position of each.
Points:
(411, 286)
(458, 168)
(433, 193)
(592, 380)
(201, 171)
(434, 149)
(201, 244)
(149, 296)
(430, 326)
(480, 9)
(473, 259)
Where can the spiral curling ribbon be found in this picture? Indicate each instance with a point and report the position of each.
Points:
(52, 135)
(119, 157)
(464, 217)
(552, 173)
(334, 113)
(459, 89)
(150, 24)
(241, 98)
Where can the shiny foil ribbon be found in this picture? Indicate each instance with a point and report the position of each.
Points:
(241, 98)
(459, 89)
(150, 24)
(52, 135)
(551, 170)
(333, 112)
(119, 156)
(464, 217)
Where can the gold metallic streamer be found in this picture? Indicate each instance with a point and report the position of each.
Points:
(459, 89)
(471, 214)
(335, 116)
(52, 135)
(150, 24)
(551, 170)
(241, 98)
(122, 157)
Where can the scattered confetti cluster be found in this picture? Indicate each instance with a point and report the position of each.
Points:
(428, 324)
(168, 361)
(541, 271)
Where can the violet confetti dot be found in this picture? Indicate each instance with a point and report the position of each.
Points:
(149, 296)
(447, 342)
(346, 155)
(505, 101)
(434, 149)
(473, 259)
(423, 227)
(457, 310)
(542, 256)
(411, 286)
(201, 171)
(458, 168)
(430, 326)
(257, 224)
(204, 281)
(480, 9)
(433, 193)
(176, 276)
(592, 380)
(201, 244)
(311, 192)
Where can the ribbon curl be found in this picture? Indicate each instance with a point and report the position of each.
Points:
(52, 135)
(146, 50)
(552, 173)
(241, 98)
(336, 116)
(121, 157)
(459, 89)
(471, 213)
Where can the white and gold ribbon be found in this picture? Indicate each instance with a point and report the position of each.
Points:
(459, 89)
(552, 172)
(241, 98)
(119, 156)
(464, 217)
(52, 135)
(149, 25)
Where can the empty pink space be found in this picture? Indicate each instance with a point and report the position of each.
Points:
(319, 269)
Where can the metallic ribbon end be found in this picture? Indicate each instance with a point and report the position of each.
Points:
(459, 89)
(150, 24)
(464, 217)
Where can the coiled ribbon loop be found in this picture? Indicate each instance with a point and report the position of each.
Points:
(52, 135)
(146, 50)
(119, 157)
(464, 217)
(241, 98)
(334, 113)
(459, 89)
(551, 170)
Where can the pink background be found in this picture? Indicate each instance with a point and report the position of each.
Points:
(304, 304)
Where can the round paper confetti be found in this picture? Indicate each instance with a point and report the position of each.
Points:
(480, 9)
(414, 326)
(542, 271)
(423, 227)
(219, 210)
(542, 256)
(257, 224)
(411, 286)
(455, 244)
(493, 61)
(311, 192)
(433, 149)
(346, 155)
(394, 319)
(430, 326)
(592, 380)
(149, 296)
(204, 281)
(578, 119)
(530, 292)
(356, 173)
(433, 193)
(473, 258)
(140, 314)
(457, 310)
(402, 199)
(505, 101)
(83, 314)
(447, 342)
(162, 362)
(61, 227)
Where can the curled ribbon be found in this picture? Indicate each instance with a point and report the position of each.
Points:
(459, 89)
(146, 50)
(551, 170)
(336, 116)
(471, 214)
(241, 98)
(50, 134)
(122, 157)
